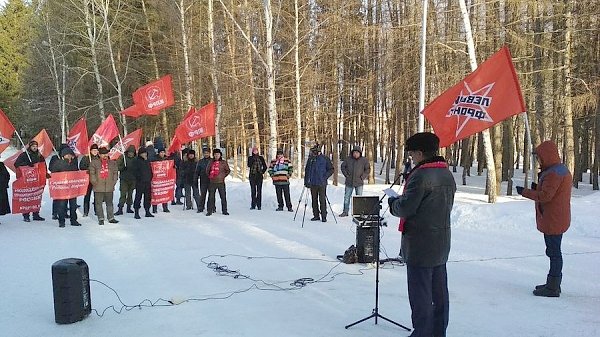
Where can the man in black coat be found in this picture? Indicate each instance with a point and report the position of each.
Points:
(4, 178)
(257, 168)
(143, 176)
(202, 176)
(51, 163)
(424, 209)
(66, 163)
(29, 158)
(127, 180)
(190, 180)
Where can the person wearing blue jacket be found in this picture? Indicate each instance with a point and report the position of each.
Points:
(318, 169)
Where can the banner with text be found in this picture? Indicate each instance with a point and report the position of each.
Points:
(28, 189)
(163, 181)
(68, 185)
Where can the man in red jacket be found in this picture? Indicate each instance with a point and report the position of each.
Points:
(552, 196)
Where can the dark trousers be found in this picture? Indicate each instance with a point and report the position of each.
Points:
(319, 201)
(256, 191)
(142, 190)
(26, 215)
(86, 200)
(212, 188)
(191, 190)
(126, 188)
(553, 252)
(61, 210)
(283, 191)
(203, 194)
(178, 191)
(104, 197)
(428, 297)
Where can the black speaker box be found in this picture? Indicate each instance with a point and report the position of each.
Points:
(71, 285)
(367, 243)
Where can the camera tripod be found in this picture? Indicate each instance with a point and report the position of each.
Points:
(305, 196)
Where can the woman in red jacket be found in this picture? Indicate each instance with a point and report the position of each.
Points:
(552, 196)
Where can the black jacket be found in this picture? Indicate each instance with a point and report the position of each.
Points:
(188, 169)
(142, 171)
(23, 159)
(258, 160)
(201, 170)
(425, 207)
(61, 165)
(84, 164)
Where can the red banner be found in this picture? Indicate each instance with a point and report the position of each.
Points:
(28, 188)
(6, 131)
(45, 148)
(106, 132)
(486, 97)
(120, 148)
(197, 125)
(175, 146)
(10, 161)
(154, 96)
(67, 185)
(163, 181)
(77, 139)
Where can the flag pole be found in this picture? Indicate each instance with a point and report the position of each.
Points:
(21, 140)
(122, 152)
(530, 145)
(421, 124)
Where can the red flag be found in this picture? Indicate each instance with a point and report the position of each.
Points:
(77, 139)
(197, 125)
(163, 181)
(155, 96)
(191, 110)
(134, 111)
(484, 98)
(106, 132)
(175, 145)
(120, 148)
(45, 148)
(67, 185)
(6, 131)
(28, 188)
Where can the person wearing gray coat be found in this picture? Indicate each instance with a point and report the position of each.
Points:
(355, 169)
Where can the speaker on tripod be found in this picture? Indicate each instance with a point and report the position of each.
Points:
(71, 286)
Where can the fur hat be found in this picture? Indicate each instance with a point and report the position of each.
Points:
(217, 151)
(423, 141)
(149, 143)
(33, 142)
(279, 151)
(191, 152)
(103, 150)
(94, 147)
(142, 150)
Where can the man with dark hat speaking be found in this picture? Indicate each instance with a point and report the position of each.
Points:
(424, 209)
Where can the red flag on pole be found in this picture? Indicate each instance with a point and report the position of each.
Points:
(131, 139)
(45, 148)
(175, 146)
(77, 139)
(106, 132)
(6, 131)
(191, 110)
(199, 124)
(484, 98)
(154, 96)
(134, 111)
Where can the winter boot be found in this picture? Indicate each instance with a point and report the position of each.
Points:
(154, 209)
(129, 210)
(290, 209)
(61, 224)
(540, 286)
(166, 209)
(315, 218)
(101, 222)
(173, 203)
(26, 218)
(113, 221)
(179, 202)
(552, 288)
(279, 209)
(137, 214)
(343, 214)
(148, 214)
(37, 217)
(119, 211)
(75, 223)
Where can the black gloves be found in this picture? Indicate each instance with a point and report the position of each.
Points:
(533, 186)
(520, 190)
(30, 164)
(391, 200)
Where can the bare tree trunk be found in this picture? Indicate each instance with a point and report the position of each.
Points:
(569, 143)
(60, 94)
(251, 81)
(215, 82)
(270, 69)
(90, 24)
(487, 142)
(186, 58)
(596, 170)
(297, 101)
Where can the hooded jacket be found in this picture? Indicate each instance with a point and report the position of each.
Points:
(318, 169)
(553, 193)
(60, 164)
(355, 170)
(142, 171)
(257, 166)
(125, 163)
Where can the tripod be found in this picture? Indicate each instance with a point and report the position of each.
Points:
(305, 204)
(375, 314)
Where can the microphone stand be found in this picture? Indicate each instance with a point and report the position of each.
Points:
(375, 314)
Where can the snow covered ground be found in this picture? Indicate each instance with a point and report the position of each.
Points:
(497, 258)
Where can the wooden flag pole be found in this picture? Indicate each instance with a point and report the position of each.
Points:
(530, 145)
(21, 140)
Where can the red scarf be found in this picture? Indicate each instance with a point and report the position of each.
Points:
(104, 169)
(215, 168)
(439, 164)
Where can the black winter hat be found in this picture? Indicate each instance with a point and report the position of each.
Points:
(185, 151)
(217, 151)
(33, 142)
(279, 151)
(94, 147)
(191, 152)
(65, 151)
(103, 150)
(423, 141)
(205, 150)
(142, 150)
